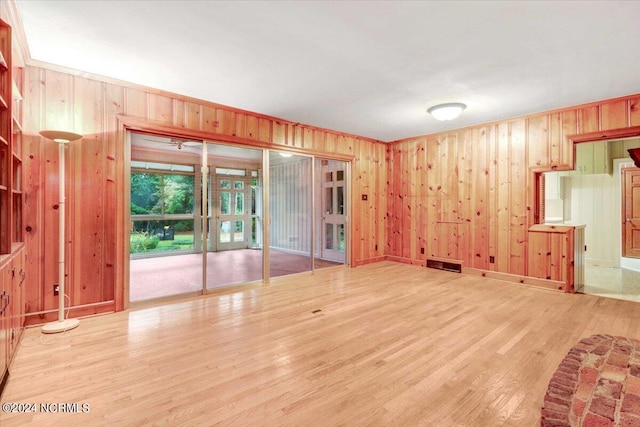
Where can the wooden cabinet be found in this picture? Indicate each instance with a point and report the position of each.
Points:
(592, 158)
(12, 306)
(12, 250)
(557, 253)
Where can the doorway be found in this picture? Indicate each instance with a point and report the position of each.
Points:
(631, 212)
(592, 195)
(333, 213)
(205, 206)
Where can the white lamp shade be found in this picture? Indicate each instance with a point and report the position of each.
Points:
(60, 136)
(444, 112)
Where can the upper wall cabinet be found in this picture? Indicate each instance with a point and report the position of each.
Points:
(592, 158)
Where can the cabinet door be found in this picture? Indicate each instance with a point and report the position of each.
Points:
(16, 275)
(584, 158)
(601, 157)
(4, 326)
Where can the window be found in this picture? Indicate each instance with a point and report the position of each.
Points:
(162, 207)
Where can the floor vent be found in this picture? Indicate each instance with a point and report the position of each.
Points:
(444, 265)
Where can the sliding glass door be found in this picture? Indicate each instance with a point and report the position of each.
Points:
(234, 215)
(291, 213)
(203, 215)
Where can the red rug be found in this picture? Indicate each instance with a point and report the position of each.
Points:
(596, 384)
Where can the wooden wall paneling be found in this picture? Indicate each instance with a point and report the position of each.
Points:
(465, 191)
(297, 136)
(420, 203)
(113, 235)
(364, 167)
(318, 140)
(432, 195)
(556, 141)
(226, 121)
(86, 197)
(493, 180)
(329, 142)
(503, 213)
(395, 199)
(264, 130)
(136, 103)
(279, 133)
(252, 127)
(569, 127)
(539, 147)
(363, 178)
(34, 164)
(290, 135)
(209, 121)
(588, 119)
(345, 144)
(382, 174)
(58, 100)
(518, 197)
(406, 200)
(448, 215)
(359, 208)
(634, 111)
(614, 114)
(241, 125)
(515, 150)
(307, 138)
(179, 112)
(193, 116)
(96, 109)
(342, 144)
(160, 109)
(479, 244)
(376, 192)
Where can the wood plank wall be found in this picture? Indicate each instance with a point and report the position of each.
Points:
(60, 99)
(465, 194)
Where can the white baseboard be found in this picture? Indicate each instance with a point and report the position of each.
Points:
(630, 264)
(602, 263)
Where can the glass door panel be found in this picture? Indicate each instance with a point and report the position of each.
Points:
(234, 238)
(291, 212)
(165, 235)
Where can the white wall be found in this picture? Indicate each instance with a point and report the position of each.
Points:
(595, 200)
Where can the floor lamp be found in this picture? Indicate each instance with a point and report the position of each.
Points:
(62, 324)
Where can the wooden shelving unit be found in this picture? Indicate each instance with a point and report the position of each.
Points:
(12, 252)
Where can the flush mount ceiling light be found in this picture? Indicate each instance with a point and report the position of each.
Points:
(449, 111)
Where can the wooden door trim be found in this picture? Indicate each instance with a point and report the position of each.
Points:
(625, 247)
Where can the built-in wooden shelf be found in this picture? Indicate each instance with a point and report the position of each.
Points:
(12, 259)
(17, 127)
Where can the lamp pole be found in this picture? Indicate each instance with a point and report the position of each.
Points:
(62, 324)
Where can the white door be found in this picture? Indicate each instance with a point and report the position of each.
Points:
(334, 214)
(233, 217)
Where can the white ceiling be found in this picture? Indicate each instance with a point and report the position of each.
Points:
(370, 68)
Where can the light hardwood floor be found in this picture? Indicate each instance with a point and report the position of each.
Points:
(393, 344)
